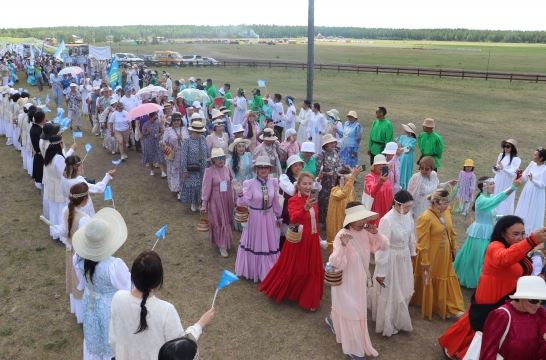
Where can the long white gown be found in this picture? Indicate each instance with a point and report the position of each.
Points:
(420, 187)
(531, 203)
(97, 188)
(304, 120)
(390, 304)
(503, 180)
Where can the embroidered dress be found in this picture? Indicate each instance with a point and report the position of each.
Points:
(194, 153)
(328, 163)
(420, 188)
(173, 138)
(350, 145)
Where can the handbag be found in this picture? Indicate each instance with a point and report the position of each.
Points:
(477, 313)
(473, 352)
(168, 152)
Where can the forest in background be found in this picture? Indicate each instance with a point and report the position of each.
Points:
(148, 33)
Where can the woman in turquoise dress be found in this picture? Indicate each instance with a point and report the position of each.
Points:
(469, 260)
(31, 77)
(408, 142)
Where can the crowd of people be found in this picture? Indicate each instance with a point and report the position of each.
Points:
(283, 179)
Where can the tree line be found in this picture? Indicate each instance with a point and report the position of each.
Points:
(135, 32)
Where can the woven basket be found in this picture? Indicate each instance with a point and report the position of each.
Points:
(333, 277)
(203, 225)
(241, 214)
(294, 233)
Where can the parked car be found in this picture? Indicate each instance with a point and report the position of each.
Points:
(148, 60)
(167, 58)
(210, 61)
(192, 60)
(128, 58)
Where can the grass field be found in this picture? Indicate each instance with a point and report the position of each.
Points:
(473, 116)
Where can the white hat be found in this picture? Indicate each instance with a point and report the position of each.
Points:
(216, 113)
(196, 104)
(191, 78)
(262, 160)
(102, 236)
(356, 213)
(118, 88)
(530, 287)
(294, 159)
(410, 127)
(73, 85)
(379, 160)
(290, 132)
(27, 105)
(197, 126)
(268, 134)
(236, 128)
(216, 152)
(308, 146)
(333, 113)
(238, 141)
(391, 148)
(196, 116)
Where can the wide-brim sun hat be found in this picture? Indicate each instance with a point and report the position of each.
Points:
(511, 141)
(390, 148)
(268, 134)
(352, 114)
(357, 213)
(197, 126)
(196, 116)
(294, 159)
(530, 288)
(429, 122)
(102, 236)
(216, 113)
(216, 153)
(238, 141)
(328, 138)
(237, 128)
(468, 162)
(380, 159)
(410, 127)
(262, 160)
(308, 146)
(333, 113)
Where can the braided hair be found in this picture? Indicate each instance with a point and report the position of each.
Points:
(146, 275)
(78, 194)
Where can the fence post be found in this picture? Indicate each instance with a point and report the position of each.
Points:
(537, 79)
(418, 71)
(463, 75)
(377, 70)
(397, 71)
(270, 64)
(511, 77)
(440, 72)
(487, 75)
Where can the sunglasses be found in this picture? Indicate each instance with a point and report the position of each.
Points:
(507, 146)
(220, 158)
(535, 302)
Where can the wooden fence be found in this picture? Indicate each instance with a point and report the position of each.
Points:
(398, 70)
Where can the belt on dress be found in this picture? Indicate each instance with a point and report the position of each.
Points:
(253, 208)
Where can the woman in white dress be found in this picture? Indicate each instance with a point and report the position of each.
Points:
(393, 286)
(141, 322)
(531, 203)
(73, 175)
(505, 169)
(289, 116)
(304, 119)
(423, 183)
(54, 164)
(240, 104)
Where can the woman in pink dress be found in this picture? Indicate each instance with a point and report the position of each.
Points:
(218, 138)
(352, 247)
(379, 187)
(217, 198)
(259, 247)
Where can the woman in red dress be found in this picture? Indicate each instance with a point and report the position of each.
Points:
(505, 262)
(298, 274)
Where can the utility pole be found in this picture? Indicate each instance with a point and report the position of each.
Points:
(310, 48)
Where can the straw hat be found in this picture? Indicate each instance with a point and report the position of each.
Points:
(262, 160)
(391, 148)
(216, 113)
(102, 236)
(238, 141)
(308, 146)
(468, 162)
(410, 127)
(356, 213)
(512, 141)
(196, 116)
(352, 114)
(380, 159)
(218, 122)
(197, 126)
(268, 134)
(530, 287)
(333, 113)
(428, 122)
(294, 159)
(216, 153)
(328, 138)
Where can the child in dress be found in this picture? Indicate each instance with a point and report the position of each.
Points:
(466, 188)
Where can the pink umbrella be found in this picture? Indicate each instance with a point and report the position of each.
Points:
(142, 110)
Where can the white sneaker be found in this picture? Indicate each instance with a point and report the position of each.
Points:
(124, 157)
(323, 244)
(193, 207)
(152, 173)
(223, 253)
(163, 175)
(113, 153)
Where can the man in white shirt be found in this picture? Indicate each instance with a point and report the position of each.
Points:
(169, 84)
(277, 115)
(120, 128)
(318, 127)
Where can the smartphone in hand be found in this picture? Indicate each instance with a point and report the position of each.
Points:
(363, 167)
(519, 173)
(385, 171)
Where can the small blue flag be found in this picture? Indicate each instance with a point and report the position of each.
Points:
(88, 148)
(38, 101)
(227, 278)
(47, 99)
(161, 233)
(108, 196)
(77, 134)
(46, 109)
(65, 122)
(116, 162)
(261, 83)
(60, 112)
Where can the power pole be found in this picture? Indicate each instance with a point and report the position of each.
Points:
(310, 48)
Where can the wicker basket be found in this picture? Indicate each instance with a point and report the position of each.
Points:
(203, 225)
(294, 233)
(332, 276)
(241, 214)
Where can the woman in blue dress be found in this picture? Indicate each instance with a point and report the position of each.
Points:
(469, 260)
(350, 143)
(408, 142)
(31, 77)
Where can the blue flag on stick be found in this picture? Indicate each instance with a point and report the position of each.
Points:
(88, 148)
(108, 196)
(77, 134)
(227, 278)
(161, 233)
(261, 83)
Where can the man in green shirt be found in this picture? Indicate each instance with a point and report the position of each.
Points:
(431, 143)
(381, 133)
(211, 90)
(228, 97)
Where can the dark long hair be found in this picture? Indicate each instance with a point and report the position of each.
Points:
(402, 197)
(235, 161)
(481, 182)
(89, 269)
(498, 235)
(72, 164)
(250, 129)
(53, 149)
(39, 116)
(183, 348)
(31, 111)
(513, 153)
(146, 275)
(73, 202)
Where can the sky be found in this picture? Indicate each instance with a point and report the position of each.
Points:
(471, 14)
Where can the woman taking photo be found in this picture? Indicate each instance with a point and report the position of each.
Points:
(328, 164)
(352, 248)
(298, 275)
(172, 143)
(393, 286)
(141, 322)
(532, 200)
(436, 286)
(505, 262)
(505, 169)
(217, 201)
(194, 161)
(259, 247)
(469, 260)
(379, 187)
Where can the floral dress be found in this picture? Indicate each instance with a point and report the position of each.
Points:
(172, 137)
(193, 161)
(150, 143)
(328, 162)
